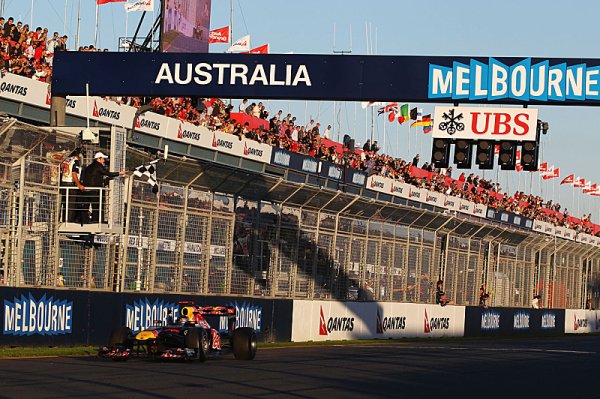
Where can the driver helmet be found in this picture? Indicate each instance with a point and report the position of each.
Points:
(183, 320)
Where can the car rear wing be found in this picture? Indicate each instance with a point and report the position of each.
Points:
(217, 310)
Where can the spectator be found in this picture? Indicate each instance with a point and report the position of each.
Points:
(243, 105)
(483, 296)
(535, 302)
(249, 109)
(440, 294)
(328, 131)
(374, 147)
(415, 161)
(367, 146)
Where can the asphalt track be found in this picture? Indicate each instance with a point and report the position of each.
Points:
(525, 368)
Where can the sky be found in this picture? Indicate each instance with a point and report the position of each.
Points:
(501, 28)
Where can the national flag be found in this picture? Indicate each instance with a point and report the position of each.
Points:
(414, 113)
(426, 123)
(417, 122)
(220, 35)
(147, 173)
(423, 121)
(403, 117)
(591, 189)
(109, 1)
(568, 180)
(579, 182)
(140, 5)
(241, 44)
(543, 167)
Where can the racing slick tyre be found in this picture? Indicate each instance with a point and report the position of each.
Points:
(120, 336)
(197, 339)
(243, 343)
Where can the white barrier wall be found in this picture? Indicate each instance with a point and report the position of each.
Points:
(330, 320)
(580, 321)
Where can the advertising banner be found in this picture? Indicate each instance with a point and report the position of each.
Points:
(418, 194)
(436, 199)
(185, 26)
(353, 176)
(478, 123)
(580, 321)
(466, 206)
(452, 203)
(556, 81)
(332, 171)
(22, 89)
(400, 189)
(513, 321)
(380, 184)
(569, 234)
(559, 231)
(328, 320)
(479, 210)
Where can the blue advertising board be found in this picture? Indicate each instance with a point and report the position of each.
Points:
(329, 77)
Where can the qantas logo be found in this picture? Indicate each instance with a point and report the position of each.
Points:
(106, 113)
(390, 323)
(13, 89)
(216, 143)
(436, 323)
(376, 184)
(334, 324)
(579, 323)
(322, 325)
(145, 123)
(187, 134)
(252, 151)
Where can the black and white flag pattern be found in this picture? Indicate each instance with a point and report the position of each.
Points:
(147, 173)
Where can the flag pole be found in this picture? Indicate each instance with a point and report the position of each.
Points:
(96, 29)
(78, 25)
(65, 16)
(30, 15)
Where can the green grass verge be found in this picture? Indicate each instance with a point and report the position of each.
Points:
(16, 352)
(9, 352)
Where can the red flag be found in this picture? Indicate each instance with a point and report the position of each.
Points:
(591, 189)
(109, 1)
(543, 167)
(496, 150)
(264, 49)
(568, 180)
(579, 182)
(557, 172)
(519, 168)
(220, 35)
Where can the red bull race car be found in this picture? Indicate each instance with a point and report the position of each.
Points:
(190, 337)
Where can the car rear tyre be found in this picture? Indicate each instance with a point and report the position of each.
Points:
(120, 336)
(197, 339)
(244, 343)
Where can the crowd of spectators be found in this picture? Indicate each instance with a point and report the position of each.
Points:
(30, 53)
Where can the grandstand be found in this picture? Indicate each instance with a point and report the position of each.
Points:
(267, 215)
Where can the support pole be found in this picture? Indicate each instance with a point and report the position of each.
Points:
(58, 108)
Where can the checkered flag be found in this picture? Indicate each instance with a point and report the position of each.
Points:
(147, 172)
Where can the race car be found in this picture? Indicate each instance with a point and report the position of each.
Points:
(191, 337)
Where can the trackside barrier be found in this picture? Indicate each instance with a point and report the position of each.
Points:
(33, 317)
(580, 321)
(513, 321)
(327, 320)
